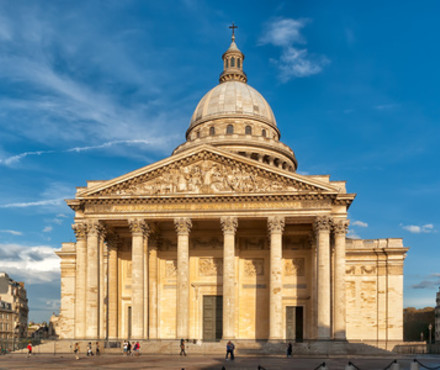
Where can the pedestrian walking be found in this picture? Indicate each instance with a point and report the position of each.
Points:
(125, 348)
(136, 348)
(97, 351)
(182, 347)
(230, 350)
(128, 348)
(289, 350)
(89, 349)
(29, 348)
(76, 350)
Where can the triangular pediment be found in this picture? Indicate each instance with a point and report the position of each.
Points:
(204, 171)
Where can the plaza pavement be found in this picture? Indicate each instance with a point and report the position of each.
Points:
(215, 362)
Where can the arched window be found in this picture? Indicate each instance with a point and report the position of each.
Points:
(198, 134)
(238, 62)
(212, 131)
(232, 62)
(263, 133)
(248, 130)
(229, 129)
(227, 63)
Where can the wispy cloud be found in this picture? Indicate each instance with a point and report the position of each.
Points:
(33, 264)
(12, 232)
(432, 281)
(47, 229)
(359, 223)
(16, 158)
(353, 234)
(386, 106)
(46, 202)
(295, 60)
(416, 229)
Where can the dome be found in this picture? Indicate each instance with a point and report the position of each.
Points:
(233, 99)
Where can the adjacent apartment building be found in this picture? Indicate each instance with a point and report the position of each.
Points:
(13, 308)
(437, 317)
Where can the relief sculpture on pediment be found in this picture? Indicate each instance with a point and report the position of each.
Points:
(206, 177)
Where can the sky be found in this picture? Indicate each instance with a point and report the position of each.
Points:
(90, 90)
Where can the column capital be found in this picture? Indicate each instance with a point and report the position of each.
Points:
(95, 228)
(322, 223)
(183, 225)
(229, 224)
(340, 227)
(80, 230)
(275, 224)
(139, 226)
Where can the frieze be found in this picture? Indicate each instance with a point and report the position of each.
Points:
(206, 243)
(294, 267)
(210, 266)
(253, 243)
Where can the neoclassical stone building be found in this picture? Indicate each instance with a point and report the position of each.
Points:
(224, 240)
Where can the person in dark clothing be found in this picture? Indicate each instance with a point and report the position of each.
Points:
(182, 347)
(230, 350)
(289, 350)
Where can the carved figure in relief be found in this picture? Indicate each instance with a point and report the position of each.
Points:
(171, 268)
(294, 267)
(205, 177)
(210, 266)
(254, 267)
(367, 270)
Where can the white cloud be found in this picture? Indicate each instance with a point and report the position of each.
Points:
(359, 223)
(47, 229)
(46, 202)
(16, 158)
(416, 229)
(32, 264)
(294, 61)
(12, 232)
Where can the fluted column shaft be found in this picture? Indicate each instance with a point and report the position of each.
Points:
(339, 230)
(102, 285)
(322, 230)
(80, 230)
(276, 227)
(139, 231)
(152, 279)
(183, 227)
(229, 226)
(112, 244)
(92, 309)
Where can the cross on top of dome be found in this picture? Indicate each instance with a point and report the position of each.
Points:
(233, 62)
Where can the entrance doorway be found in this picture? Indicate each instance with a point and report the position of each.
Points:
(294, 323)
(212, 317)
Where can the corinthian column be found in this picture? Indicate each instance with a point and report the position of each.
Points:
(276, 227)
(322, 230)
(113, 243)
(229, 226)
(183, 227)
(80, 230)
(92, 324)
(339, 230)
(153, 241)
(139, 229)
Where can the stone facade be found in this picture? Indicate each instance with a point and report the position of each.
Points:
(13, 295)
(224, 240)
(437, 317)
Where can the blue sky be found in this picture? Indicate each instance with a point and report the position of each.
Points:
(91, 90)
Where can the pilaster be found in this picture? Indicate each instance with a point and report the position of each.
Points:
(80, 230)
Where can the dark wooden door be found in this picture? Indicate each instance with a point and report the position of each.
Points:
(294, 323)
(212, 317)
